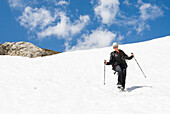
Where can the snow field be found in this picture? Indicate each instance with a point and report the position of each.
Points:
(72, 82)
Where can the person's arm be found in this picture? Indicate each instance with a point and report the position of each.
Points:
(127, 57)
(110, 61)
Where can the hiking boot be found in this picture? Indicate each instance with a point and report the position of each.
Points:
(122, 88)
(119, 86)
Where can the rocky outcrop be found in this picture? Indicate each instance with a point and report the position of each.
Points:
(24, 49)
(1, 50)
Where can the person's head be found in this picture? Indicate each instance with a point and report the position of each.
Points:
(115, 46)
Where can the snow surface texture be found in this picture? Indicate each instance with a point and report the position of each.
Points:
(72, 82)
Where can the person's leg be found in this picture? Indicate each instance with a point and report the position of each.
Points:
(120, 74)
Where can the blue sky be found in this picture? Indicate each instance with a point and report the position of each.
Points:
(64, 25)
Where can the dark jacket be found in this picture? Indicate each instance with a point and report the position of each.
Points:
(118, 59)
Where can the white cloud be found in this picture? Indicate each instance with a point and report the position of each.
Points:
(97, 39)
(65, 28)
(109, 13)
(92, 2)
(140, 27)
(32, 18)
(15, 3)
(128, 33)
(126, 21)
(107, 10)
(120, 37)
(44, 24)
(127, 2)
(149, 11)
(21, 4)
(62, 2)
(140, 2)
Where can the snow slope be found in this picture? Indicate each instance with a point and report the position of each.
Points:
(72, 82)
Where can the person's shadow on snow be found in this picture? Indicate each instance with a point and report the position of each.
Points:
(136, 87)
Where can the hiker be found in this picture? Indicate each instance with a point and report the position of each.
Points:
(117, 60)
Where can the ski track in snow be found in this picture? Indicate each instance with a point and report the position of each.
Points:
(72, 82)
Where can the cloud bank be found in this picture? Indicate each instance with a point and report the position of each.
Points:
(147, 12)
(36, 18)
(54, 19)
(65, 28)
(97, 39)
(107, 10)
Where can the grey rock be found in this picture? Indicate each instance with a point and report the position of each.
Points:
(1, 50)
(24, 49)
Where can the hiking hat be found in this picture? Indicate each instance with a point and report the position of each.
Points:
(114, 44)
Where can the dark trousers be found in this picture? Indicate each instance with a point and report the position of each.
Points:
(121, 74)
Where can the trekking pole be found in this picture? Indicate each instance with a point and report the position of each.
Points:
(104, 73)
(139, 66)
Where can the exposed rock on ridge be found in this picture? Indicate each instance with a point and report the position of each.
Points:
(24, 49)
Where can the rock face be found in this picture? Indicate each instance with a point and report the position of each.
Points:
(1, 50)
(24, 49)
